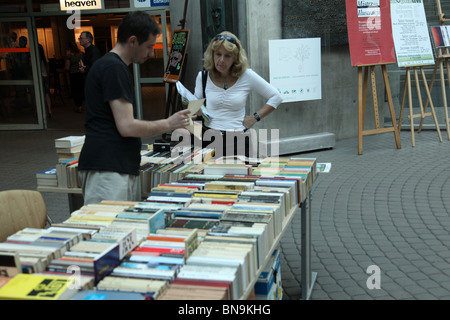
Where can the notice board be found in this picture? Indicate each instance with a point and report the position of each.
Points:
(370, 32)
(411, 35)
(177, 55)
(295, 68)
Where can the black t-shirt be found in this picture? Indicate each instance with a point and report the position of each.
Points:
(104, 148)
(91, 55)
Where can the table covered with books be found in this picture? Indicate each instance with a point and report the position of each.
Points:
(208, 230)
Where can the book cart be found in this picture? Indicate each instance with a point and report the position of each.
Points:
(308, 277)
(302, 208)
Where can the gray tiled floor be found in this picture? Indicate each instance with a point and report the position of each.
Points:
(388, 208)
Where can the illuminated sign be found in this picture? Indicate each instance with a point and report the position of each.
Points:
(80, 4)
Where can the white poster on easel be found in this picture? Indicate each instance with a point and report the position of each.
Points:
(295, 68)
(410, 32)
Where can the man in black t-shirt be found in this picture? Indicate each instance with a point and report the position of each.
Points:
(110, 159)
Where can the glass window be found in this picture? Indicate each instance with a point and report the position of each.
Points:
(13, 6)
(45, 5)
(17, 93)
(113, 4)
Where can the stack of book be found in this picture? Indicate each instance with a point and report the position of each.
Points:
(176, 291)
(67, 173)
(239, 256)
(303, 169)
(215, 197)
(142, 289)
(269, 286)
(166, 167)
(179, 196)
(227, 168)
(37, 247)
(47, 178)
(91, 258)
(38, 287)
(205, 278)
(69, 147)
(159, 257)
(68, 151)
(194, 218)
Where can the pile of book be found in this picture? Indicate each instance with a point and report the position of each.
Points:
(167, 167)
(65, 173)
(204, 236)
(33, 249)
(47, 178)
(68, 150)
(69, 147)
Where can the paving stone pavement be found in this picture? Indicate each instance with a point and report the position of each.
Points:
(387, 208)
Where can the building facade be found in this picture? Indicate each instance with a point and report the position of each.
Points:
(22, 104)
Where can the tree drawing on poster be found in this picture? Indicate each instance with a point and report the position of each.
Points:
(295, 68)
(177, 55)
(370, 32)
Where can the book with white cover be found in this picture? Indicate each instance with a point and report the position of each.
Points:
(69, 141)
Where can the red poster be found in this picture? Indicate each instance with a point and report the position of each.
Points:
(370, 32)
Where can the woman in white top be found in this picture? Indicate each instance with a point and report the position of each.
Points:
(229, 82)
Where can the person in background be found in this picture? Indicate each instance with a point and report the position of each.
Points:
(110, 159)
(73, 58)
(91, 52)
(229, 82)
(45, 79)
(9, 57)
(22, 71)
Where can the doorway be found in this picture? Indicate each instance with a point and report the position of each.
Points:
(20, 93)
(52, 33)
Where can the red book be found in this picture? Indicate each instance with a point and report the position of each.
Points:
(159, 250)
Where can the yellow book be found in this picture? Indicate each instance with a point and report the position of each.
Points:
(37, 287)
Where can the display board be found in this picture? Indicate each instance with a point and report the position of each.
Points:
(370, 32)
(410, 32)
(295, 68)
(177, 55)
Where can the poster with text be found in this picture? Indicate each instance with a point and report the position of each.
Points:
(410, 31)
(370, 32)
(295, 68)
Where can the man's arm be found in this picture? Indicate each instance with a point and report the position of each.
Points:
(128, 126)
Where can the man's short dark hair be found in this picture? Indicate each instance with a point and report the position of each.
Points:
(89, 36)
(139, 24)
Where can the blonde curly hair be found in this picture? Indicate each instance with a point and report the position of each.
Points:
(232, 44)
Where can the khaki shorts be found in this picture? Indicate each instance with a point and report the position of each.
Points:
(104, 185)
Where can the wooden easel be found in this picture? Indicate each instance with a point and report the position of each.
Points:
(362, 95)
(423, 114)
(442, 57)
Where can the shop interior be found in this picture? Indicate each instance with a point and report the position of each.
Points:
(54, 36)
